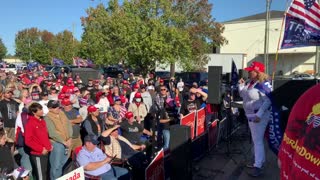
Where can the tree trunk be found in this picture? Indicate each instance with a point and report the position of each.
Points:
(172, 69)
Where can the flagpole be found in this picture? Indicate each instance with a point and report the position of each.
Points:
(316, 72)
(266, 38)
(278, 47)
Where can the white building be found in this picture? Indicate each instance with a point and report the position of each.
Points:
(246, 35)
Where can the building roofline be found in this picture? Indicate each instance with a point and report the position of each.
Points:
(257, 17)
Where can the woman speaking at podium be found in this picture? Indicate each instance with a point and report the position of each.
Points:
(256, 104)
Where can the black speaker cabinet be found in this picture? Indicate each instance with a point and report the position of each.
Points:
(286, 92)
(214, 84)
(228, 78)
(180, 152)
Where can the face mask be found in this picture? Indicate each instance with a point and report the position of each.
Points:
(138, 100)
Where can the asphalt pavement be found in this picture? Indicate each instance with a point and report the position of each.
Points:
(228, 162)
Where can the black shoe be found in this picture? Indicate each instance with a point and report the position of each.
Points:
(256, 172)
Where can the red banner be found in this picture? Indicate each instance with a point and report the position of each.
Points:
(189, 120)
(155, 170)
(201, 118)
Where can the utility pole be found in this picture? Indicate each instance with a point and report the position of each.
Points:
(73, 29)
(266, 36)
(29, 44)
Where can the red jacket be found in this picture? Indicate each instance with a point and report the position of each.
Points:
(36, 136)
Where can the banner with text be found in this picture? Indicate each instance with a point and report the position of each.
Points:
(201, 118)
(77, 174)
(155, 170)
(189, 120)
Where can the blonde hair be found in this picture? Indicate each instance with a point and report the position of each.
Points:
(10, 84)
(262, 76)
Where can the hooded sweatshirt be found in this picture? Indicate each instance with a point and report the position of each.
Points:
(36, 136)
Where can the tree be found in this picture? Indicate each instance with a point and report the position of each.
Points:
(124, 34)
(65, 46)
(194, 16)
(142, 33)
(3, 50)
(42, 46)
(29, 46)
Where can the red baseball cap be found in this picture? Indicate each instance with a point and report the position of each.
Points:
(161, 80)
(125, 82)
(129, 115)
(136, 86)
(75, 89)
(137, 95)
(256, 66)
(66, 102)
(92, 109)
(69, 81)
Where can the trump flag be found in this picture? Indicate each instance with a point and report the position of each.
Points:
(302, 27)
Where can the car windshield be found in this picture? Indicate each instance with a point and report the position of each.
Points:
(165, 75)
(48, 68)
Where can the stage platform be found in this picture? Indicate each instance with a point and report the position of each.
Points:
(217, 164)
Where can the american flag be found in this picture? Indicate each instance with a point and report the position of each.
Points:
(308, 10)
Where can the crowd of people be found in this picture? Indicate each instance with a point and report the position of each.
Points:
(107, 121)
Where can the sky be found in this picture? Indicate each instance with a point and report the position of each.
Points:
(58, 15)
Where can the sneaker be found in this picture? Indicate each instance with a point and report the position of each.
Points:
(250, 165)
(256, 172)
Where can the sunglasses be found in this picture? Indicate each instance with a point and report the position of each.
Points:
(163, 89)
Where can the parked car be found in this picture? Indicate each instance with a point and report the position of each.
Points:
(57, 69)
(165, 75)
(112, 71)
(190, 77)
(302, 76)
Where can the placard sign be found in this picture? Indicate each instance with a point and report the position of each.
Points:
(77, 174)
(155, 170)
(189, 120)
(201, 118)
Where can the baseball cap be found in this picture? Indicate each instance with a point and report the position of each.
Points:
(53, 104)
(257, 66)
(20, 172)
(142, 86)
(91, 138)
(69, 81)
(150, 88)
(66, 102)
(117, 98)
(44, 93)
(75, 89)
(136, 86)
(92, 108)
(129, 115)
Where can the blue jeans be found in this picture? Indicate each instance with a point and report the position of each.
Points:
(25, 160)
(116, 173)
(57, 160)
(166, 138)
